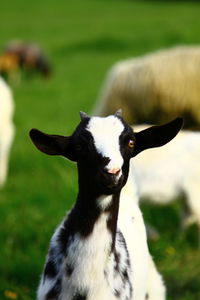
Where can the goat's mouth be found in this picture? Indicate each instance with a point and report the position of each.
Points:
(111, 183)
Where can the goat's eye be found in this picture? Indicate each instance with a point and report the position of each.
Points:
(131, 144)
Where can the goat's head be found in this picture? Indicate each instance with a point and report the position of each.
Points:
(103, 147)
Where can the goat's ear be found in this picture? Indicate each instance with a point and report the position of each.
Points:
(156, 136)
(53, 144)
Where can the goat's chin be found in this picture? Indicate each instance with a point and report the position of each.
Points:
(112, 190)
(112, 185)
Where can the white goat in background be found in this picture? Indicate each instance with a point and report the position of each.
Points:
(164, 174)
(6, 128)
(154, 88)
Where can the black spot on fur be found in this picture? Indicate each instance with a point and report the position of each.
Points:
(125, 274)
(128, 262)
(117, 293)
(112, 220)
(105, 273)
(117, 260)
(123, 244)
(68, 270)
(55, 291)
(50, 269)
(80, 296)
(147, 296)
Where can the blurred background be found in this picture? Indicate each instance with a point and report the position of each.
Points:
(80, 41)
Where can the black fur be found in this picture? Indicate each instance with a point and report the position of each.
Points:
(117, 261)
(112, 220)
(80, 296)
(80, 220)
(50, 269)
(124, 273)
(54, 291)
(117, 293)
(68, 270)
(157, 136)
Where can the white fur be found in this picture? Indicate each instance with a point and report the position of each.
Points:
(106, 132)
(165, 81)
(44, 288)
(6, 128)
(104, 202)
(163, 174)
(155, 285)
(131, 223)
(89, 256)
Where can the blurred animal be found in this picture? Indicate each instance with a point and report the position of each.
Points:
(99, 251)
(27, 57)
(171, 172)
(9, 67)
(155, 87)
(6, 128)
(8, 62)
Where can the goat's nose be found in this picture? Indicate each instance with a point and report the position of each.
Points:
(114, 171)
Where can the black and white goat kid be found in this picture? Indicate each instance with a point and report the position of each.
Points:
(99, 251)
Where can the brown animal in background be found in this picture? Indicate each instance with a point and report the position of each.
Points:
(28, 57)
(9, 66)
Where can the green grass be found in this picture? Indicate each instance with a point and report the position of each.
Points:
(82, 39)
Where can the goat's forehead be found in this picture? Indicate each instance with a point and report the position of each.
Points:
(106, 134)
(107, 127)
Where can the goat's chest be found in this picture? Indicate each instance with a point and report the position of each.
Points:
(90, 270)
(95, 272)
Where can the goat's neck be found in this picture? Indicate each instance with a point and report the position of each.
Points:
(92, 206)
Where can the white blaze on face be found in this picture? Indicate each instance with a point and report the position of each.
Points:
(106, 133)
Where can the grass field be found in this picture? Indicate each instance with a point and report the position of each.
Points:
(82, 39)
